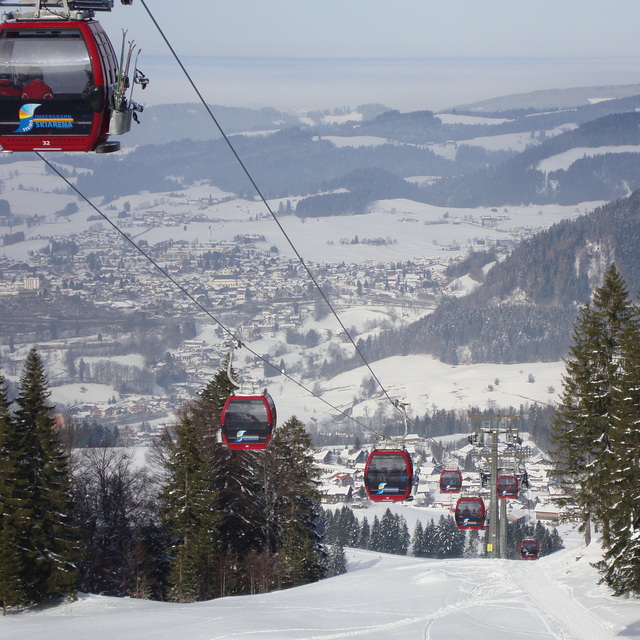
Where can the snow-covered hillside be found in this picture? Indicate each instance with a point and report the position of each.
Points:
(382, 597)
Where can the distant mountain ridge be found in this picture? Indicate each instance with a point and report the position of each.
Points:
(552, 98)
(312, 157)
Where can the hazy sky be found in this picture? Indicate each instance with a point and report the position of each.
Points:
(601, 36)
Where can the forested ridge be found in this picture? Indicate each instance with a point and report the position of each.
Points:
(295, 159)
(526, 306)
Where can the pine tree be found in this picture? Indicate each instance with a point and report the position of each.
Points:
(328, 536)
(336, 561)
(473, 544)
(346, 529)
(364, 541)
(49, 540)
(404, 539)
(375, 539)
(294, 478)
(429, 540)
(388, 532)
(620, 567)
(581, 435)
(12, 592)
(449, 540)
(189, 513)
(418, 540)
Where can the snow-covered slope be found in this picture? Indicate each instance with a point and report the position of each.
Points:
(381, 598)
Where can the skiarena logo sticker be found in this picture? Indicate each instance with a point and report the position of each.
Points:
(29, 121)
(243, 436)
(383, 489)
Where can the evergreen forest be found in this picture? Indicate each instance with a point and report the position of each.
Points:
(595, 435)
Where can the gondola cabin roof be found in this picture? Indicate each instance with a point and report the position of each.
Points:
(388, 475)
(247, 422)
(56, 85)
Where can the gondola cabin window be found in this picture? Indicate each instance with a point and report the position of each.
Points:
(450, 481)
(470, 513)
(507, 487)
(529, 549)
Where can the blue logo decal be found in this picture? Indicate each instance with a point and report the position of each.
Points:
(243, 436)
(383, 489)
(28, 119)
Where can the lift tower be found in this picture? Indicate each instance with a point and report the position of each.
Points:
(500, 446)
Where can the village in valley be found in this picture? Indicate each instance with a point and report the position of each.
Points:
(342, 480)
(99, 377)
(247, 282)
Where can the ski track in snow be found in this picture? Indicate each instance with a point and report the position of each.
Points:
(381, 598)
(570, 618)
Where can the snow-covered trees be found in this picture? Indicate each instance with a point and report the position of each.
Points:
(621, 563)
(239, 521)
(441, 540)
(595, 430)
(189, 513)
(12, 591)
(36, 506)
(390, 534)
(212, 522)
(293, 477)
(582, 425)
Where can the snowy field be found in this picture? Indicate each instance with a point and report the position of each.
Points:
(563, 161)
(426, 383)
(407, 225)
(382, 597)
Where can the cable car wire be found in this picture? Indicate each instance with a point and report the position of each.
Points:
(186, 293)
(266, 204)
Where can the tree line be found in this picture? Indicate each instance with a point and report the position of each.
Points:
(441, 539)
(206, 522)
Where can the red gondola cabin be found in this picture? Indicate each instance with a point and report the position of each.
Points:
(388, 475)
(57, 84)
(470, 513)
(507, 487)
(450, 481)
(248, 422)
(529, 549)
